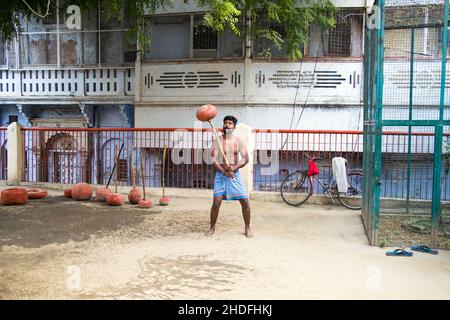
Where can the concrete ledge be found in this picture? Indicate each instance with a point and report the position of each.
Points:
(172, 192)
(150, 192)
(318, 199)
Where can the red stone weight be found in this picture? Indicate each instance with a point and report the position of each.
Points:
(135, 195)
(206, 112)
(68, 193)
(146, 204)
(114, 199)
(36, 193)
(14, 196)
(164, 201)
(82, 191)
(102, 193)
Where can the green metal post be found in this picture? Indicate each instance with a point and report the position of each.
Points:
(367, 209)
(411, 84)
(437, 169)
(378, 115)
(444, 61)
(438, 134)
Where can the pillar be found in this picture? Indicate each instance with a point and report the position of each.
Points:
(245, 133)
(15, 153)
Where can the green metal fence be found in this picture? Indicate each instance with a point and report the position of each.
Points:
(406, 91)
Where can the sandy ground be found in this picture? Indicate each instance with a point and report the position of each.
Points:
(62, 249)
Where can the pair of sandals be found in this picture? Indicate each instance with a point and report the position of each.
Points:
(418, 248)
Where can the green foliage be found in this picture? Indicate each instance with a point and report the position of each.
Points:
(10, 13)
(383, 242)
(296, 20)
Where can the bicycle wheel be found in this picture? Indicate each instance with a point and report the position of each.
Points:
(296, 189)
(352, 199)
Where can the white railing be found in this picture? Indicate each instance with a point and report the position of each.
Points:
(67, 83)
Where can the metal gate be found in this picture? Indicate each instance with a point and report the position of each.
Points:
(406, 123)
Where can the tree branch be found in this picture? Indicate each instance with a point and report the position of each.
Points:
(41, 16)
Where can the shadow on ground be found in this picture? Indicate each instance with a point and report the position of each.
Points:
(56, 220)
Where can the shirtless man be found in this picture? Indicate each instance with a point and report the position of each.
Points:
(228, 183)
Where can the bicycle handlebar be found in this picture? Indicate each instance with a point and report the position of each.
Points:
(313, 158)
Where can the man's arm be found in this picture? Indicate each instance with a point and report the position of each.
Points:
(244, 156)
(216, 164)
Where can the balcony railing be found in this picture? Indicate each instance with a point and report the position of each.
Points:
(92, 83)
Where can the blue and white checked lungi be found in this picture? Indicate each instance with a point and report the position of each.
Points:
(229, 188)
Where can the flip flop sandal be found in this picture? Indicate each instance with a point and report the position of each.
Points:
(400, 253)
(424, 249)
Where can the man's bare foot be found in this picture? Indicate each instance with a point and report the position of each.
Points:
(248, 232)
(210, 232)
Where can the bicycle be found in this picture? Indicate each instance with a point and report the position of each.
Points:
(298, 187)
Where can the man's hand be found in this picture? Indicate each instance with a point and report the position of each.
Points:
(229, 174)
(227, 167)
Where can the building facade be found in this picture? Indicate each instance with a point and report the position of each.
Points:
(64, 72)
(188, 65)
(71, 69)
(82, 69)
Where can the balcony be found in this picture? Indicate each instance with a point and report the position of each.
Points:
(65, 86)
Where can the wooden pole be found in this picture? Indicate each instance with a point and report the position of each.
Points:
(112, 172)
(133, 174)
(218, 141)
(117, 169)
(142, 174)
(163, 169)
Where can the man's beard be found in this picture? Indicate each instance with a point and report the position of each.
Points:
(228, 132)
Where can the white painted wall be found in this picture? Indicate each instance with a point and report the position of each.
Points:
(323, 82)
(426, 83)
(261, 117)
(264, 83)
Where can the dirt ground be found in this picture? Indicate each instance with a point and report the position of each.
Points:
(57, 248)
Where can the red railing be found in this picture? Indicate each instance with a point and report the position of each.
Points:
(75, 155)
(3, 154)
(87, 155)
(279, 152)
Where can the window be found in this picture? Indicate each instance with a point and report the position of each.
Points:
(122, 169)
(2, 52)
(204, 40)
(263, 47)
(170, 38)
(185, 36)
(344, 40)
(339, 39)
(38, 49)
(231, 45)
(436, 48)
(101, 41)
(49, 20)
